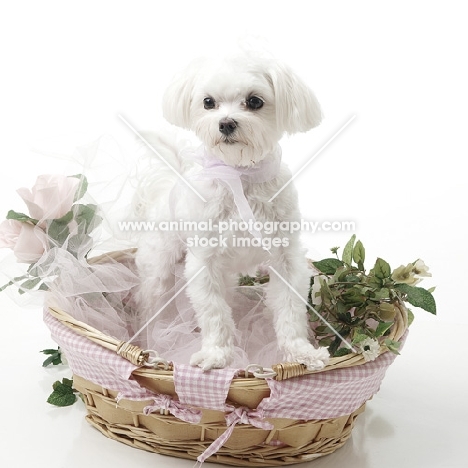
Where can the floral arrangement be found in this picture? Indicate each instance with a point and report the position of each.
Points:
(361, 306)
(56, 220)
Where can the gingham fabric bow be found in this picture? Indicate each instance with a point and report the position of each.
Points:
(166, 403)
(240, 415)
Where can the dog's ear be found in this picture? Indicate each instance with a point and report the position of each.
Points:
(178, 97)
(297, 108)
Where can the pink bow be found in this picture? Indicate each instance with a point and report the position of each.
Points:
(232, 176)
(241, 415)
(164, 403)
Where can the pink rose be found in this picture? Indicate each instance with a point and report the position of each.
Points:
(51, 197)
(28, 242)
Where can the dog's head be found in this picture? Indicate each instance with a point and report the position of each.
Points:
(240, 107)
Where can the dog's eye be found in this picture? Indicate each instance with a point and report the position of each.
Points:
(209, 103)
(254, 103)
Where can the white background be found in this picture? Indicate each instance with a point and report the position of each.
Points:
(397, 171)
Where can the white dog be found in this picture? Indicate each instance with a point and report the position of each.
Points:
(239, 108)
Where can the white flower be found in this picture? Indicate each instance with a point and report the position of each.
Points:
(420, 268)
(63, 357)
(316, 288)
(405, 274)
(370, 349)
(411, 274)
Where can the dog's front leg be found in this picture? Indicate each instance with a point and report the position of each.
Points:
(288, 286)
(207, 295)
(155, 259)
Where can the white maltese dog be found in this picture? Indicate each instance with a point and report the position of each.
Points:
(239, 107)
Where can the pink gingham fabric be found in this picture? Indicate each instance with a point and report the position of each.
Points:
(208, 389)
(325, 395)
(317, 396)
(95, 363)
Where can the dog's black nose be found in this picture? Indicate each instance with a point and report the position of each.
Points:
(227, 126)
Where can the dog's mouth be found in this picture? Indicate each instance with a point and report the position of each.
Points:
(228, 140)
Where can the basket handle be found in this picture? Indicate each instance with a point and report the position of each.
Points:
(132, 353)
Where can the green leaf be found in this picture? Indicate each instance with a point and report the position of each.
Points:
(381, 294)
(374, 282)
(335, 344)
(13, 281)
(82, 187)
(351, 278)
(85, 215)
(359, 336)
(30, 284)
(410, 316)
(353, 297)
(348, 250)
(328, 266)
(246, 280)
(326, 341)
(63, 394)
(322, 330)
(55, 357)
(55, 360)
(345, 317)
(79, 244)
(359, 255)
(382, 328)
(66, 218)
(387, 311)
(381, 269)
(43, 287)
(342, 352)
(68, 382)
(418, 297)
(58, 230)
(392, 346)
(20, 217)
(10, 283)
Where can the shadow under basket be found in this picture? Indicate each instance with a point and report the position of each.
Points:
(257, 425)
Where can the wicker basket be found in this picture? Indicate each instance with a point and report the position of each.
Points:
(289, 441)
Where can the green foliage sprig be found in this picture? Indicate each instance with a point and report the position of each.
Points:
(362, 305)
(54, 359)
(63, 393)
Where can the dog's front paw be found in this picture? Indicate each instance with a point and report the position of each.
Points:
(215, 357)
(313, 358)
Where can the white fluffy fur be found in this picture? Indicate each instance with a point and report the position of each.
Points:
(289, 107)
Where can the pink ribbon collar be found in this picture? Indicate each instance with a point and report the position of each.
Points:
(232, 176)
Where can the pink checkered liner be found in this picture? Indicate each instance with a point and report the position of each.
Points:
(203, 389)
(327, 394)
(95, 363)
(317, 396)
